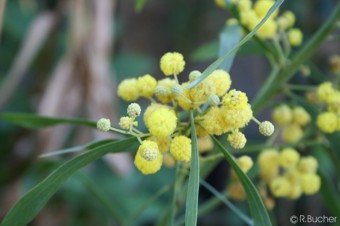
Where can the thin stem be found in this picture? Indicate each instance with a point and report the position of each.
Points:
(177, 186)
(2, 13)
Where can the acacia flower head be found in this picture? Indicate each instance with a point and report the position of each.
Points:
(266, 128)
(148, 159)
(172, 63)
(180, 148)
(103, 124)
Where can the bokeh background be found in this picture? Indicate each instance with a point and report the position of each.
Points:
(64, 58)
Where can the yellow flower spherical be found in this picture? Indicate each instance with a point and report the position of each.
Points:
(289, 15)
(300, 116)
(327, 122)
(202, 91)
(237, 140)
(280, 187)
(185, 101)
(267, 31)
(162, 122)
(289, 158)
(165, 85)
(150, 109)
(235, 100)
(128, 90)
(180, 148)
(295, 37)
(162, 142)
(213, 121)
(248, 17)
(310, 183)
(282, 115)
(262, 7)
(245, 163)
(324, 91)
(237, 118)
(146, 85)
(220, 3)
(243, 5)
(172, 63)
(266, 128)
(268, 161)
(148, 159)
(125, 122)
(334, 102)
(295, 191)
(221, 81)
(308, 164)
(292, 133)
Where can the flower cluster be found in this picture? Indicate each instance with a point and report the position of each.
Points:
(250, 14)
(287, 174)
(292, 121)
(216, 108)
(329, 120)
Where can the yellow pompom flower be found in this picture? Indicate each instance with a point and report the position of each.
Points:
(308, 164)
(125, 122)
(244, 5)
(235, 100)
(290, 17)
(162, 122)
(248, 17)
(267, 31)
(289, 158)
(202, 91)
(334, 102)
(310, 183)
(146, 85)
(150, 109)
(295, 37)
(295, 191)
(165, 86)
(180, 148)
(237, 140)
(324, 91)
(148, 159)
(237, 118)
(221, 81)
(280, 187)
(162, 142)
(245, 163)
(268, 161)
(300, 116)
(213, 121)
(266, 128)
(128, 90)
(172, 63)
(327, 122)
(262, 7)
(282, 115)
(185, 101)
(292, 133)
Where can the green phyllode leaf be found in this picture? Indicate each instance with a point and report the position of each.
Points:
(32, 121)
(194, 180)
(257, 209)
(222, 59)
(34, 200)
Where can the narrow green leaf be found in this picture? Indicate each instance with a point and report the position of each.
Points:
(229, 38)
(79, 148)
(220, 60)
(32, 121)
(194, 180)
(257, 209)
(34, 200)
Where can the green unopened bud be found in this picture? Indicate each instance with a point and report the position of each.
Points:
(125, 122)
(161, 90)
(134, 110)
(213, 100)
(194, 75)
(177, 90)
(104, 124)
(266, 128)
